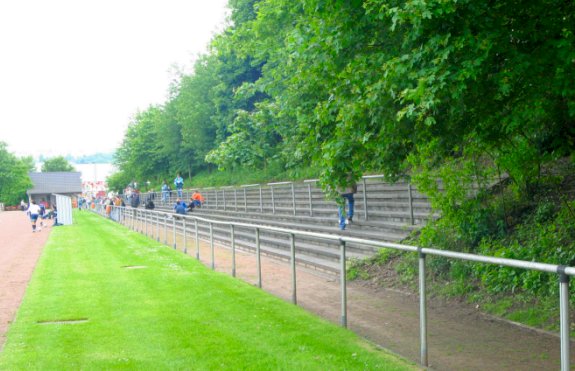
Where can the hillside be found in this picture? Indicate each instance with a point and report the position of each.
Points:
(536, 228)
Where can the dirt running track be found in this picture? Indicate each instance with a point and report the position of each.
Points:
(459, 337)
(19, 252)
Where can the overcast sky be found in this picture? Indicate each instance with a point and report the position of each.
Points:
(73, 72)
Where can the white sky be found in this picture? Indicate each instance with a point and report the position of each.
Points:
(73, 72)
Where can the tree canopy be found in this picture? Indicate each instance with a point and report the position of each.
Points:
(404, 87)
(14, 179)
(58, 163)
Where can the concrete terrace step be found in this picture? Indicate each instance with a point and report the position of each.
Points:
(312, 252)
(377, 230)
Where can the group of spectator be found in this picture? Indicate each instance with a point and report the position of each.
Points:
(196, 200)
(167, 190)
(132, 195)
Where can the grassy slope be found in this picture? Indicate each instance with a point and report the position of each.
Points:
(173, 314)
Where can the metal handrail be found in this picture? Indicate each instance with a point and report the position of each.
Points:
(562, 271)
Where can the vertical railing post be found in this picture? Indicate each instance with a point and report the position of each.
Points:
(146, 222)
(410, 196)
(233, 239)
(158, 227)
(422, 310)
(174, 231)
(235, 199)
(165, 229)
(364, 198)
(212, 245)
(343, 283)
(273, 201)
(293, 197)
(185, 237)
(293, 271)
(216, 191)
(261, 201)
(197, 240)
(224, 198)
(310, 199)
(564, 317)
(245, 201)
(258, 258)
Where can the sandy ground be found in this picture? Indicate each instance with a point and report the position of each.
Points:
(19, 252)
(459, 336)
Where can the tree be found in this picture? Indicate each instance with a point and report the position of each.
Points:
(14, 179)
(58, 163)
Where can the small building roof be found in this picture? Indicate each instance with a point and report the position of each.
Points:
(55, 182)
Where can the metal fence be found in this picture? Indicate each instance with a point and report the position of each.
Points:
(307, 199)
(156, 223)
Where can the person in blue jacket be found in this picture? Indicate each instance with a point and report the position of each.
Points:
(180, 207)
(179, 184)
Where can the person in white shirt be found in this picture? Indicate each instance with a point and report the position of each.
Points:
(33, 211)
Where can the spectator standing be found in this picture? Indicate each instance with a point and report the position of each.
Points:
(109, 203)
(135, 199)
(347, 194)
(179, 184)
(165, 192)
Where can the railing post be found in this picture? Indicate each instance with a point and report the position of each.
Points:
(261, 201)
(410, 203)
(273, 201)
(343, 283)
(364, 198)
(422, 310)
(224, 198)
(310, 199)
(212, 245)
(293, 197)
(245, 201)
(233, 239)
(258, 258)
(165, 229)
(157, 227)
(184, 231)
(293, 271)
(197, 240)
(146, 222)
(564, 317)
(235, 199)
(174, 231)
(216, 192)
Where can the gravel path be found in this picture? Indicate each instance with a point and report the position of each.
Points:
(19, 252)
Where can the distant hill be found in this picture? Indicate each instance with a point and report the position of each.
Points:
(97, 158)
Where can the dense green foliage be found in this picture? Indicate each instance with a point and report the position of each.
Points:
(403, 87)
(58, 163)
(172, 314)
(454, 94)
(14, 179)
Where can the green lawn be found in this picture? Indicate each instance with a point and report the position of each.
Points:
(170, 313)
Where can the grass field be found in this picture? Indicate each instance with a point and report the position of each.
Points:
(103, 297)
